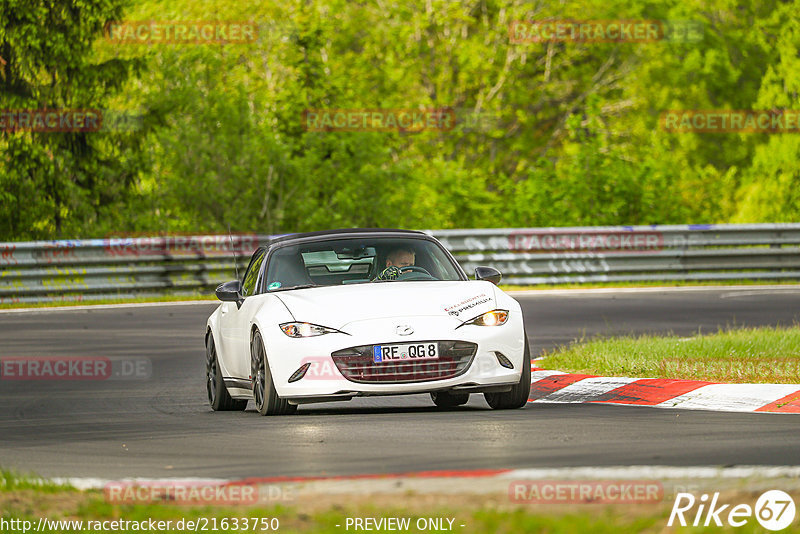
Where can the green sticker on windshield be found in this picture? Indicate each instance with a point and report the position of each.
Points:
(274, 285)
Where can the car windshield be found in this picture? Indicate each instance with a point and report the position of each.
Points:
(356, 261)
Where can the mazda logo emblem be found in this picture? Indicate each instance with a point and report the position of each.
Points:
(404, 330)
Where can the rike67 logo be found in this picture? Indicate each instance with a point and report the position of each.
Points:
(774, 510)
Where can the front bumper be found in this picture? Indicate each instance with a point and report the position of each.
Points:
(323, 379)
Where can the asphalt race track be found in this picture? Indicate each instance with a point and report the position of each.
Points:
(163, 427)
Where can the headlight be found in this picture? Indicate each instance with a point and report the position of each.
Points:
(491, 318)
(305, 329)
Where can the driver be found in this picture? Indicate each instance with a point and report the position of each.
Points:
(400, 257)
(395, 261)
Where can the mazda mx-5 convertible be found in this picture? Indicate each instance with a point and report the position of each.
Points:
(328, 316)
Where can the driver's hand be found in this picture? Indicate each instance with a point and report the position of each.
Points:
(390, 273)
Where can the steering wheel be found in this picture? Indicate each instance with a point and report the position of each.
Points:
(416, 269)
(394, 272)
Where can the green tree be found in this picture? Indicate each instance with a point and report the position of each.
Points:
(770, 189)
(60, 183)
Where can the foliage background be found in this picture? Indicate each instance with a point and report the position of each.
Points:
(551, 134)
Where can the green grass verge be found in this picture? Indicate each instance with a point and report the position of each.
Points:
(11, 481)
(746, 355)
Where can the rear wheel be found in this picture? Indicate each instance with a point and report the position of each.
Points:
(445, 399)
(266, 398)
(218, 396)
(518, 396)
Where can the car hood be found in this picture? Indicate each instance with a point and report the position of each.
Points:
(336, 306)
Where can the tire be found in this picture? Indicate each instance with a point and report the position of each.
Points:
(266, 398)
(518, 396)
(445, 399)
(218, 396)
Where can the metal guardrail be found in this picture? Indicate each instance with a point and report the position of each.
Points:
(127, 267)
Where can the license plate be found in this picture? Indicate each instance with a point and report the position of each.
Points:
(405, 352)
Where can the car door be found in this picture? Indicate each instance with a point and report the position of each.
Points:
(235, 320)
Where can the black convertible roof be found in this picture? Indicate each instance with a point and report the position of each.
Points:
(344, 231)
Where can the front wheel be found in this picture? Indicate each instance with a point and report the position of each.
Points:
(266, 398)
(518, 396)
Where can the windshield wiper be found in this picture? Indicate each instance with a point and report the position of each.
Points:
(301, 286)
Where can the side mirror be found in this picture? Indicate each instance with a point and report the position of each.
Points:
(229, 292)
(488, 273)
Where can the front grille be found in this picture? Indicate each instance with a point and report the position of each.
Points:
(356, 364)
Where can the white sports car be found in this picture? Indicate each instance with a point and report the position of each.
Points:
(328, 316)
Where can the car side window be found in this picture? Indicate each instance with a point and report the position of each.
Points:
(251, 276)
